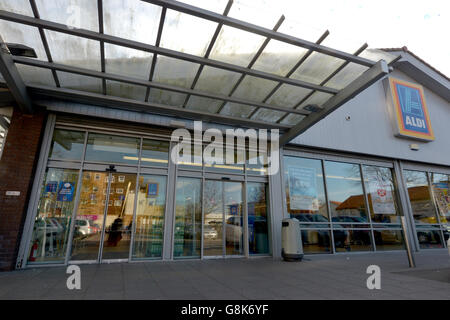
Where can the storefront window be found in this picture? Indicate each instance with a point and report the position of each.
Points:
(238, 158)
(345, 193)
(258, 218)
(441, 187)
(52, 225)
(151, 204)
(381, 194)
(188, 218)
(316, 241)
(112, 149)
(429, 238)
(67, 145)
(155, 153)
(347, 240)
(388, 240)
(256, 163)
(419, 197)
(89, 219)
(423, 209)
(305, 193)
(190, 156)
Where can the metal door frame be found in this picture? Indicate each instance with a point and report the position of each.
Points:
(224, 255)
(97, 168)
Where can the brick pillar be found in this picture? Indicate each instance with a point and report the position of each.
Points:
(17, 167)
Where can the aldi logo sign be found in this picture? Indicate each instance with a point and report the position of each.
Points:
(408, 110)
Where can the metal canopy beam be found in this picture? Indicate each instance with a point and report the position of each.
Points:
(290, 72)
(335, 72)
(212, 16)
(14, 17)
(148, 107)
(12, 77)
(145, 83)
(208, 50)
(154, 60)
(379, 70)
(102, 44)
(250, 65)
(44, 41)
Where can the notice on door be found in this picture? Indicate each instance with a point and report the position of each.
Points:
(382, 200)
(303, 189)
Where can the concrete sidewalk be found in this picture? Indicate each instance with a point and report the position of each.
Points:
(317, 277)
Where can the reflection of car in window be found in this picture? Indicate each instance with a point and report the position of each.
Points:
(234, 229)
(85, 227)
(48, 226)
(209, 232)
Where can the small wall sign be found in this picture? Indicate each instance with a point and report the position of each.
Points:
(408, 110)
(13, 193)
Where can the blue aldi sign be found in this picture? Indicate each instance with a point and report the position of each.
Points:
(409, 111)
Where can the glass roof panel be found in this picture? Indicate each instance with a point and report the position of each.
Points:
(125, 90)
(203, 104)
(127, 62)
(186, 33)
(253, 88)
(288, 96)
(81, 14)
(279, 57)
(317, 98)
(344, 77)
(35, 75)
(169, 98)
(79, 82)
(175, 71)
(317, 67)
(216, 80)
(376, 55)
(74, 51)
(296, 28)
(131, 19)
(292, 119)
(237, 110)
(17, 6)
(267, 115)
(255, 14)
(23, 34)
(236, 46)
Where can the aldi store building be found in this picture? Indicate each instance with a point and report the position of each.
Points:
(87, 116)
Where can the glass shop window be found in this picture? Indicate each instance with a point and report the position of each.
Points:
(305, 192)
(67, 145)
(52, 223)
(381, 194)
(419, 196)
(112, 149)
(155, 153)
(345, 193)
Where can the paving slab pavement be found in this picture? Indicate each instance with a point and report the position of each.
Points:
(341, 276)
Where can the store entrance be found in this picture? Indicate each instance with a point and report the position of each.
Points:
(104, 217)
(223, 219)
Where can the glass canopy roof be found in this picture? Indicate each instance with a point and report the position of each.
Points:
(151, 53)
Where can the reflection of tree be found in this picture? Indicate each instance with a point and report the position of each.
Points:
(379, 175)
(213, 194)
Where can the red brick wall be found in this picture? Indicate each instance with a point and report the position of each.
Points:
(17, 167)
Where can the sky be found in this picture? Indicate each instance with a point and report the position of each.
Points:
(422, 26)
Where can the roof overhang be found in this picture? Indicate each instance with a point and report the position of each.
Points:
(315, 84)
(413, 67)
